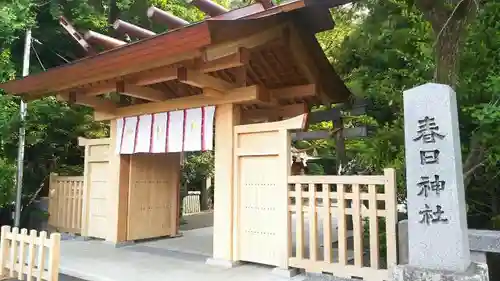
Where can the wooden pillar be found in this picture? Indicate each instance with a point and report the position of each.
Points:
(226, 117)
(118, 188)
(340, 143)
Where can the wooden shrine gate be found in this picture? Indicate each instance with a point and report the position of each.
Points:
(262, 160)
(292, 219)
(154, 182)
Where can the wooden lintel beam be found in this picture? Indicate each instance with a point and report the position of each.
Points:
(141, 92)
(235, 96)
(201, 80)
(275, 113)
(301, 91)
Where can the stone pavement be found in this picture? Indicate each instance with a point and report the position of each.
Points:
(179, 259)
(100, 261)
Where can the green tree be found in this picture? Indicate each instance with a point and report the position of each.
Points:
(382, 48)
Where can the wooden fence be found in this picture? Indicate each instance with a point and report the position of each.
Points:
(65, 203)
(366, 203)
(191, 203)
(28, 257)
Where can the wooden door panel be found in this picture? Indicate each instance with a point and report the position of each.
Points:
(153, 182)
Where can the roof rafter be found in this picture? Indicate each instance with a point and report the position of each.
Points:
(161, 16)
(132, 30)
(105, 41)
(209, 7)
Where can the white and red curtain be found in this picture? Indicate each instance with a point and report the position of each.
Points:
(175, 131)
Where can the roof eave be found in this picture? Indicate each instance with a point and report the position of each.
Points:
(143, 54)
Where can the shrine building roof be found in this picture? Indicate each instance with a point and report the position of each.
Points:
(259, 56)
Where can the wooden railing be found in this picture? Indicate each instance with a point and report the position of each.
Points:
(191, 203)
(343, 213)
(65, 203)
(28, 257)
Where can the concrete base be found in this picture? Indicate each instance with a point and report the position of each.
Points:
(475, 272)
(285, 272)
(222, 263)
(120, 244)
(176, 235)
(312, 276)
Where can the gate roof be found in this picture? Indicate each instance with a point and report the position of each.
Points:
(260, 56)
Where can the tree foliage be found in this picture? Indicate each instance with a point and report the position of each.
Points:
(382, 48)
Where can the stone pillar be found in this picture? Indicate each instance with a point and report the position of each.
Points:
(437, 223)
(226, 117)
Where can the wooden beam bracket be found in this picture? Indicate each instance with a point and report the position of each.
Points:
(202, 80)
(145, 93)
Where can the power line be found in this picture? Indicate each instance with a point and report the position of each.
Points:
(38, 57)
(50, 49)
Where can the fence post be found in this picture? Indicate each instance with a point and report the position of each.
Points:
(4, 246)
(52, 177)
(53, 213)
(392, 214)
(54, 255)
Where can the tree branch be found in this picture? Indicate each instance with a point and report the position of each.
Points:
(446, 23)
(434, 11)
(474, 159)
(471, 170)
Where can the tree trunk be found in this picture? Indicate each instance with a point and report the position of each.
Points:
(450, 27)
